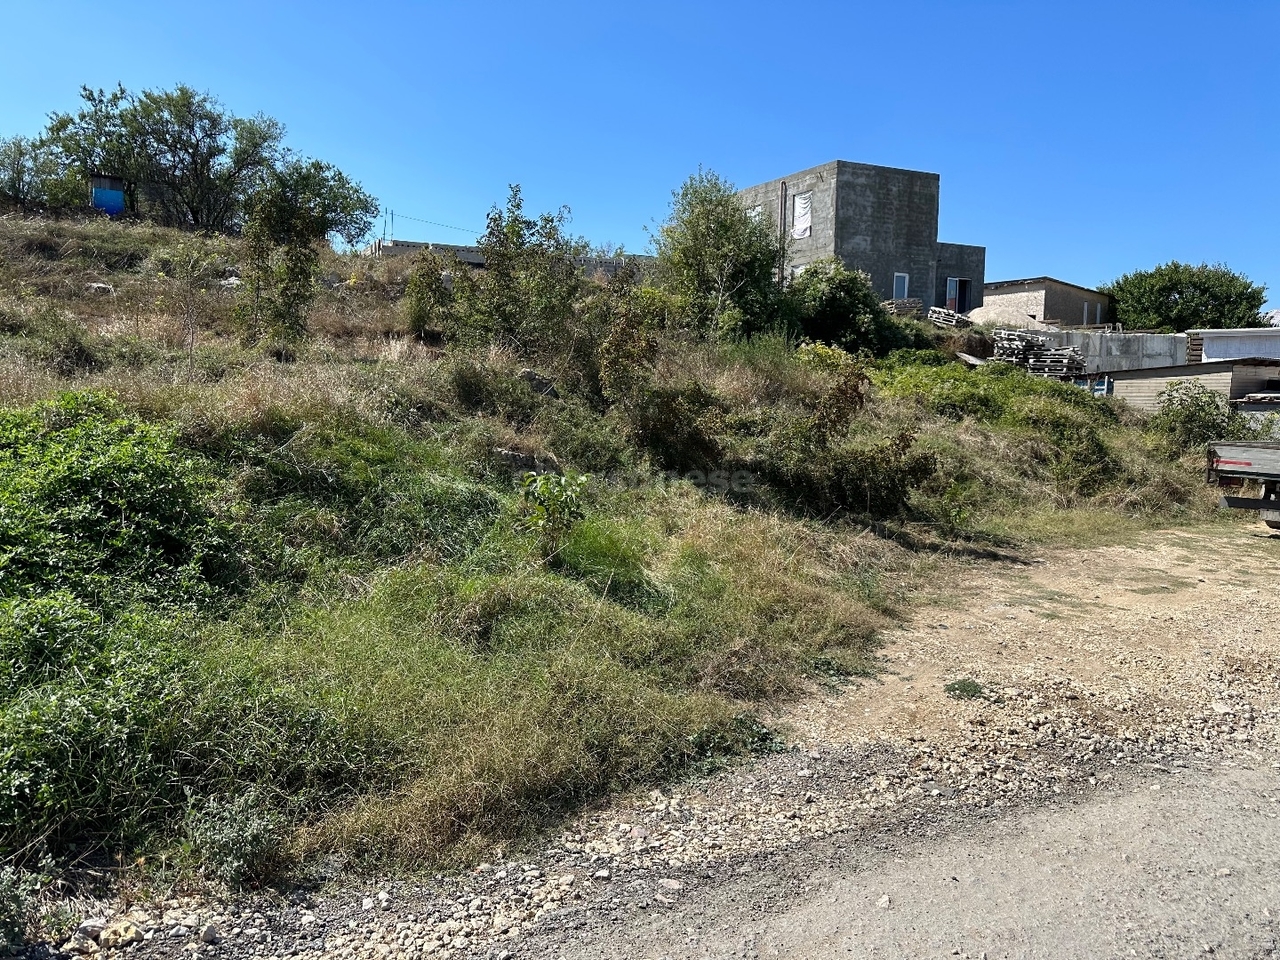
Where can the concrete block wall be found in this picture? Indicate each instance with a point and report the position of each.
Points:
(1070, 305)
(887, 223)
(1112, 352)
(821, 182)
(960, 260)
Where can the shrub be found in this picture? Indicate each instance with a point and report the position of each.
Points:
(823, 357)
(18, 891)
(835, 305)
(550, 505)
(1191, 415)
(428, 296)
(238, 839)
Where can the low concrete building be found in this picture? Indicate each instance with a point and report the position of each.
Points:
(1106, 352)
(1233, 344)
(882, 220)
(474, 256)
(1041, 303)
(1234, 379)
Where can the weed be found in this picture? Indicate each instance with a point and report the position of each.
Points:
(238, 839)
(966, 689)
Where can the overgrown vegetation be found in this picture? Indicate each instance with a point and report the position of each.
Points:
(478, 546)
(1174, 297)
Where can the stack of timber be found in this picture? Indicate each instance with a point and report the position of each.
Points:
(912, 307)
(941, 317)
(1033, 352)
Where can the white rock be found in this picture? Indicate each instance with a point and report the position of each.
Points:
(210, 933)
(119, 933)
(80, 944)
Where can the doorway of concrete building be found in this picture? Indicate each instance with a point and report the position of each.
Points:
(958, 294)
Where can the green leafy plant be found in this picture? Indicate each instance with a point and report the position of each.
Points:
(238, 839)
(1191, 415)
(18, 891)
(550, 505)
(965, 688)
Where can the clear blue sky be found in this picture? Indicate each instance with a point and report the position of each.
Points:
(1079, 140)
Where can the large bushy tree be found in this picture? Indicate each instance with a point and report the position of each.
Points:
(1181, 296)
(531, 280)
(185, 160)
(723, 262)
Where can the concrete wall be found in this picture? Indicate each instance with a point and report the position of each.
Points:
(887, 223)
(1235, 344)
(821, 181)
(1113, 352)
(960, 260)
(1141, 392)
(1015, 308)
(1068, 305)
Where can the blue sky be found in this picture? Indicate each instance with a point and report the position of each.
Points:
(1079, 140)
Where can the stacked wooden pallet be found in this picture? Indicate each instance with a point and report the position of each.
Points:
(941, 317)
(1034, 353)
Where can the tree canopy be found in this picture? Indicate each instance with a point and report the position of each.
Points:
(719, 259)
(184, 158)
(1179, 296)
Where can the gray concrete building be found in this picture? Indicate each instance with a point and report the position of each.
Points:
(881, 220)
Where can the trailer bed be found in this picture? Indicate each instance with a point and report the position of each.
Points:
(1244, 461)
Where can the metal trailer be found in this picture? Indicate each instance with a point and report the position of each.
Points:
(1235, 464)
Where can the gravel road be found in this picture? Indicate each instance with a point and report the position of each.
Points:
(1113, 789)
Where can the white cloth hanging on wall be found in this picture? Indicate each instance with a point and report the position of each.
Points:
(802, 216)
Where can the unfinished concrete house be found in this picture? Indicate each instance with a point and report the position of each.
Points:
(881, 220)
(1041, 303)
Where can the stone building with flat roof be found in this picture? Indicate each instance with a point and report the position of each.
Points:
(1039, 303)
(881, 220)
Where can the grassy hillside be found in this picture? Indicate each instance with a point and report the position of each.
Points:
(265, 601)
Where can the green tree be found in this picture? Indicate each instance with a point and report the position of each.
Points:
(94, 140)
(530, 282)
(198, 162)
(1179, 296)
(299, 207)
(720, 260)
(31, 179)
(428, 296)
(832, 304)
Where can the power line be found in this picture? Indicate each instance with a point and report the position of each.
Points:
(447, 226)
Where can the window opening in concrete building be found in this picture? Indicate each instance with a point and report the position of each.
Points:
(802, 215)
(958, 294)
(900, 286)
(1099, 314)
(1085, 321)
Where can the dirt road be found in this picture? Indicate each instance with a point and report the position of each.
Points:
(1139, 684)
(1111, 787)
